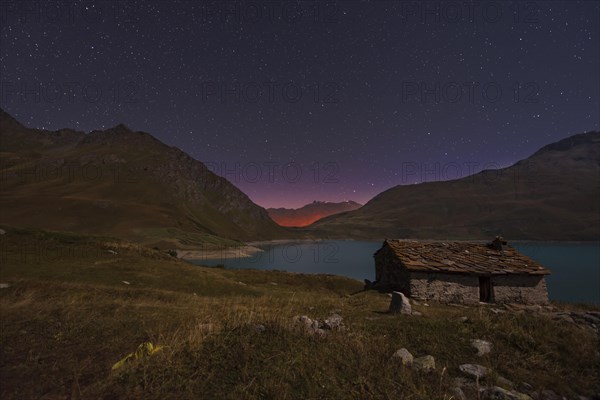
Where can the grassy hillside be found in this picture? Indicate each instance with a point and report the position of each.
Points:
(121, 183)
(77, 304)
(552, 195)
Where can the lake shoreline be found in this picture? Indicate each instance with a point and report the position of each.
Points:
(573, 264)
(250, 249)
(244, 251)
(304, 241)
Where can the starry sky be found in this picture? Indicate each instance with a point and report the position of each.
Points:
(295, 101)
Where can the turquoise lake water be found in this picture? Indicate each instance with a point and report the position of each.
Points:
(575, 268)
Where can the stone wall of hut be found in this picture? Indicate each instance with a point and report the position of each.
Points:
(445, 288)
(389, 273)
(459, 288)
(455, 288)
(527, 289)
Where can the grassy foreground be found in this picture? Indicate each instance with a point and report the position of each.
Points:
(67, 317)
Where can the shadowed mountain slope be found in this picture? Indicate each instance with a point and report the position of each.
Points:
(552, 195)
(122, 183)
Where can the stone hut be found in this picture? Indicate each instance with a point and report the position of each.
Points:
(460, 272)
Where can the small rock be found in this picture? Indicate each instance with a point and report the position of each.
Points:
(457, 394)
(111, 252)
(425, 363)
(497, 393)
(404, 356)
(464, 319)
(400, 304)
(334, 321)
(416, 303)
(4, 285)
(307, 321)
(525, 387)
(533, 308)
(505, 383)
(242, 283)
(417, 314)
(320, 332)
(549, 395)
(591, 318)
(426, 305)
(483, 347)
(474, 370)
(563, 317)
(315, 325)
(497, 311)
(260, 328)
(125, 282)
(2, 232)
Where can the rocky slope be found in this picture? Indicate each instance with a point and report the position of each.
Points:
(122, 183)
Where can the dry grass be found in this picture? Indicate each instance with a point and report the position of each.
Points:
(66, 320)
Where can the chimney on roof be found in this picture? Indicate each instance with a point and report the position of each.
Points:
(498, 243)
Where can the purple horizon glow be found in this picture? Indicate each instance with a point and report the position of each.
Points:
(291, 185)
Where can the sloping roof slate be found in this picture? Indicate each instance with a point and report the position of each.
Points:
(462, 257)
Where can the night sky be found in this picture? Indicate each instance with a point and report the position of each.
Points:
(295, 101)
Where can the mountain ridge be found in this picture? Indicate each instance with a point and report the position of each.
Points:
(129, 184)
(551, 195)
(124, 183)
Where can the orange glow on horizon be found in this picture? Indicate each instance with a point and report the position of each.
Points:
(297, 221)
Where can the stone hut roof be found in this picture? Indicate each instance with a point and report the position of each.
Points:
(495, 258)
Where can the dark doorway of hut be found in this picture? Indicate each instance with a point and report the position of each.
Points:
(485, 289)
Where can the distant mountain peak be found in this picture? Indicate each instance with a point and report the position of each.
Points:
(568, 143)
(310, 213)
(121, 127)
